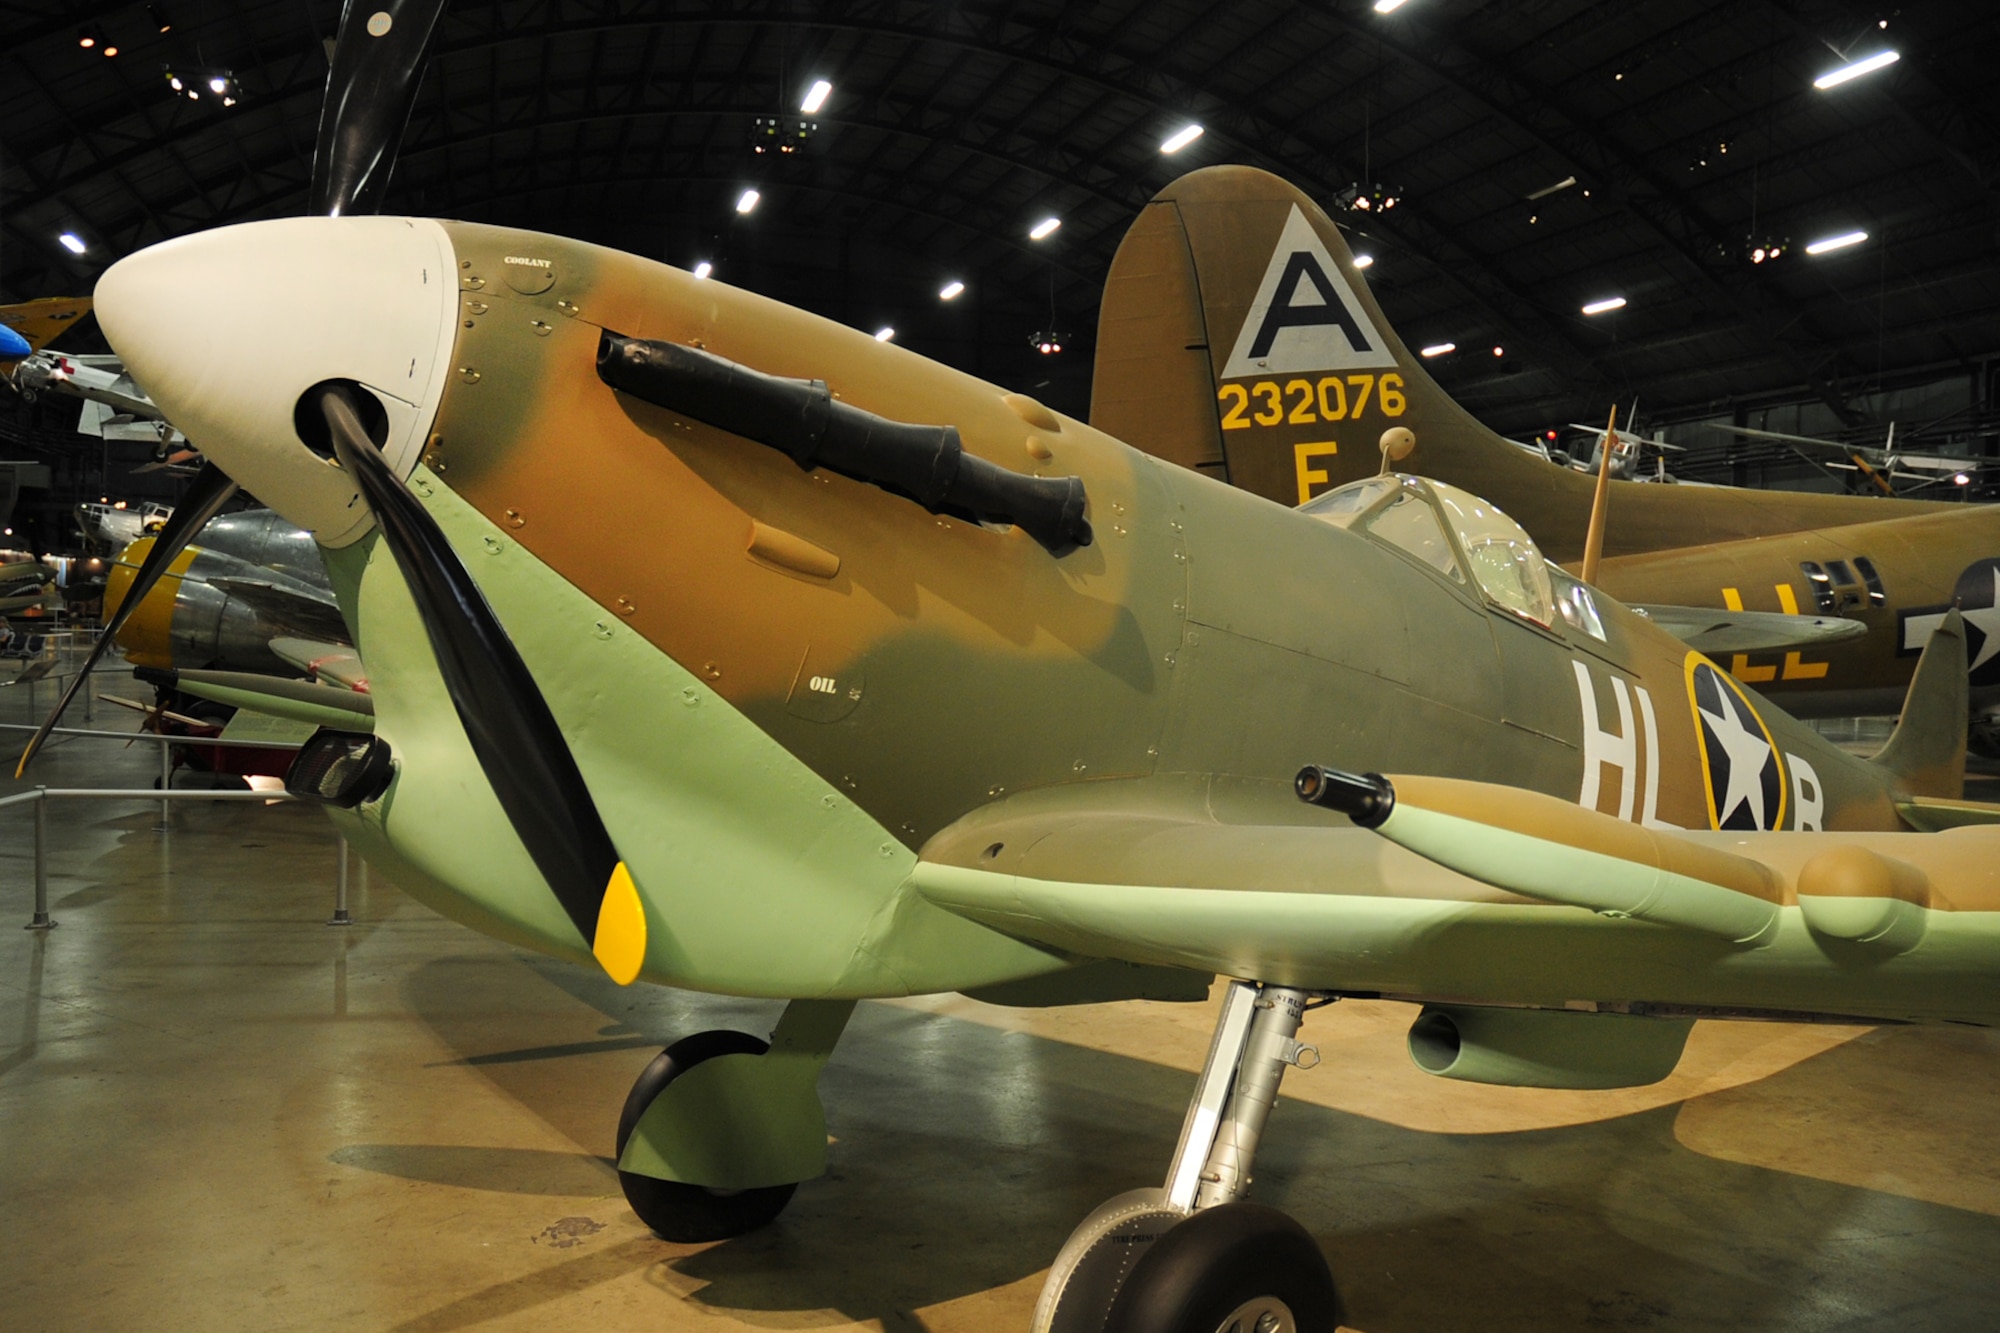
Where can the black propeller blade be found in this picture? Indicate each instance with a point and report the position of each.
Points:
(210, 490)
(377, 63)
(513, 733)
(378, 60)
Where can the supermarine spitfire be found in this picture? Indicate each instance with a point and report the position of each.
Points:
(1237, 338)
(925, 687)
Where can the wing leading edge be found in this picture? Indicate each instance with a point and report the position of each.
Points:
(1885, 926)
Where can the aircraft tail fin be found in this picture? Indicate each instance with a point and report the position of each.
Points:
(1927, 749)
(1238, 337)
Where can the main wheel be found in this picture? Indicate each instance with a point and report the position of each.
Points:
(1234, 1268)
(677, 1211)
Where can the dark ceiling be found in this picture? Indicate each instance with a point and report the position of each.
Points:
(1692, 129)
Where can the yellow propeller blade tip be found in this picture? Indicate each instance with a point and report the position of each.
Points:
(621, 928)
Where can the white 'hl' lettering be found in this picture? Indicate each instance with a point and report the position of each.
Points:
(1620, 749)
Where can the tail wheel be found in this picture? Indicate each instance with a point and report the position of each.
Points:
(689, 1213)
(1234, 1268)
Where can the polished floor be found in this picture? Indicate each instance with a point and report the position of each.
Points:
(219, 1113)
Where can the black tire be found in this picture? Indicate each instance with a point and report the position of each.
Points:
(1211, 1273)
(691, 1213)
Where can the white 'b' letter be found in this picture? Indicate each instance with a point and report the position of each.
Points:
(1807, 797)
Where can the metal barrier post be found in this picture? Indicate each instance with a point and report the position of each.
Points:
(340, 916)
(166, 778)
(41, 920)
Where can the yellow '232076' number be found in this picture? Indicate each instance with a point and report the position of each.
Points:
(1303, 402)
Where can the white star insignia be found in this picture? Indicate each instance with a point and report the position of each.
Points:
(1747, 751)
(1986, 619)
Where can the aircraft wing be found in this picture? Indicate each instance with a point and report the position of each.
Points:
(1458, 879)
(39, 321)
(330, 663)
(1180, 887)
(1714, 630)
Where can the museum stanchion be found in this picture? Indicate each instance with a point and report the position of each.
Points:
(166, 795)
(340, 915)
(41, 919)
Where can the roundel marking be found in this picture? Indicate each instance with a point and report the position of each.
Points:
(1741, 772)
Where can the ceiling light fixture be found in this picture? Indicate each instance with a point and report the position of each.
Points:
(1548, 190)
(1855, 69)
(1830, 243)
(1389, 6)
(702, 270)
(1438, 349)
(747, 201)
(1180, 139)
(1499, 351)
(87, 38)
(72, 243)
(159, 16)
(816, 96)
(951, 290)
(884, 334)
(1364, 261)
(218, 84)
(1607, 304)
(1368, 197)
(1044, 229)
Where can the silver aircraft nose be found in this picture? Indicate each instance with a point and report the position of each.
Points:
(226, 330)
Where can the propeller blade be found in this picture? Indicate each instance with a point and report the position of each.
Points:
(210, 490)
(378, 61)
(514, 735)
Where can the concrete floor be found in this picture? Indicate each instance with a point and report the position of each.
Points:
(217, 1113)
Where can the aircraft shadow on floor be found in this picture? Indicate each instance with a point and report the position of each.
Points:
(964, 1154)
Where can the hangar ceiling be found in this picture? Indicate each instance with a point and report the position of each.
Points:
(1692, 132)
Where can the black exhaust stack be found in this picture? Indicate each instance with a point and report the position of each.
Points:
(801, 419)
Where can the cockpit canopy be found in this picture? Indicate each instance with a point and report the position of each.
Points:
(1450, 530)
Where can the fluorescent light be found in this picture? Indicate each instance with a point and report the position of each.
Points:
(950, 290)
(884, 334)
(1855, 69)
(72, 243)
(702, 270)
(816, 96)
(1608, 303)
(747, 201)
(1181, 139)
(1044, 229)
(1546, 191)
(1363, 261)
(1438, 349)
(1387, 6)
(1840, 242)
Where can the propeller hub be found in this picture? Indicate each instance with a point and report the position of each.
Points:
(226, 330)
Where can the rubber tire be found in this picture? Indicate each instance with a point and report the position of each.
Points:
(1206, 1267)
(692, 1213)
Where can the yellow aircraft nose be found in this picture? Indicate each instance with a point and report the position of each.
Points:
(226, 330)
(147, 637)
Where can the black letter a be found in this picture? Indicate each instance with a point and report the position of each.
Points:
(1284, 315)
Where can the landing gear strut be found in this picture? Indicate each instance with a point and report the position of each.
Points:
(1192, 1257)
